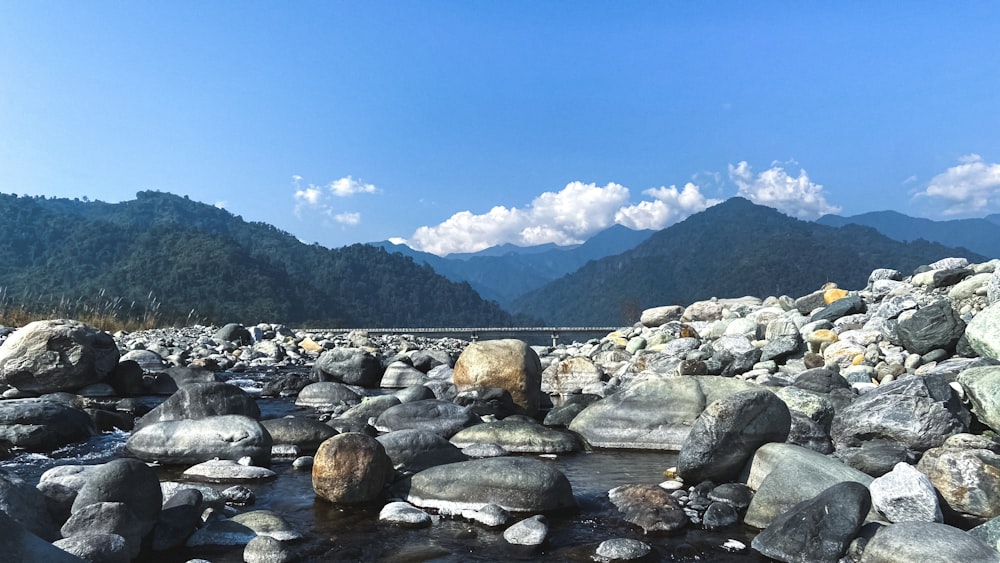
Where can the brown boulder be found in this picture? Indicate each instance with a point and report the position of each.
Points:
(351, 468)
(510, 365)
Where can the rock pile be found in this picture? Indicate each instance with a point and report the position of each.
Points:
(850, 425)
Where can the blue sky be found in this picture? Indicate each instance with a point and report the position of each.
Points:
(460, 125)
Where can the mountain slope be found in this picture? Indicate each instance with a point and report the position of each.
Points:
(503, 273)
(978, 235)
(194, 256)
(733, 249)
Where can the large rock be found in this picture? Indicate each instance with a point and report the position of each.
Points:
(728, 433)
(57, 355)
(935, 326)
(41, 425)
(571, 375)
(819, 529)
(400, 375)
(650, 507)
(968, 480)
(127, 481)
(658, 316)
(414, 450)
(326, 396)
(351, 468)
(509, 364)
(982, 387)
(517, 436)
(26, 504)
(179, 518)
(107, 518)
(916, 412)
(19, 544)
(784, 475)
(653, 414)
(905, 495)
(187, 442)
(517, 484)
(926, 542)
(306, 433)
(202, 400)
(440, 417)
(983, 332)
(353, 366)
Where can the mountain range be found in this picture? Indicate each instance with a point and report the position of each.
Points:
(196, 257)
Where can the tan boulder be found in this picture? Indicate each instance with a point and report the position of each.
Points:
(351, 468)
(509, 364)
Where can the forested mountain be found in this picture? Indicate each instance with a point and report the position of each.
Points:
(504, 273)
(978, 235)
(194, 256)
(733, 249)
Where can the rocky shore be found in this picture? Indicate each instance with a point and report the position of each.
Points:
(850, 424)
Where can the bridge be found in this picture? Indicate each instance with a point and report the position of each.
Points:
(474, 333)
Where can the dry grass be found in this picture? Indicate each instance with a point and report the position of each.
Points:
(102, 311)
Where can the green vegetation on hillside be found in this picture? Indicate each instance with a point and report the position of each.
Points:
(190, 256)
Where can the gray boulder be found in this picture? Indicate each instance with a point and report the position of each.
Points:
(905, 495)
(819, 529)
(571, 375)
(127, 481)
(41, 425)
(400, 375)
(374, 406)
(530, 531)
(982, 387)
(404, 514)
(265, 549)
(983, 332)
(235, 333)
(653, 414)
(56, 355)
(563, 414)
(850, 305)
(926, 542)
(935, 326)
(202, 400)
(784, 475)
(353, 366)
(96, 547)
(19, 544)
(107, 518)
(60, 486)
(414, 450)
(517, 436)
(968, 480)
(179, 518)
(306, 433)
(444, 418)
(622, 549)
(517, 484)
(326, 396)
(728, 433)
(187, 442)
(26, 504)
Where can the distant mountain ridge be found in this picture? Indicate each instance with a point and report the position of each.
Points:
(978, 235)
(190, 255)
(503, 273)
(732, 249)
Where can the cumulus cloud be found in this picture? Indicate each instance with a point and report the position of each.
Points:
(968, 188)
(774, 187)
(320, 198)
(569, 216)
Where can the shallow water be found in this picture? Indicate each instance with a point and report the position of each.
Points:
(335, 533)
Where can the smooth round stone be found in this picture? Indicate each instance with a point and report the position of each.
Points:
(223, 533)
(267, 523)
(484, 449)
(490, 515)
(517, 436)
(306, 433)
(265, 549)
(622, 549)
(96, 547)
(227, 471)
(404, 514)
(530, 531)
(649, 507)
(415, 450)
(107, 518)
(239, 495)
(326, 395)
(303, 463)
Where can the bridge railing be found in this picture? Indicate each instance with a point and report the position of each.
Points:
(475, 332)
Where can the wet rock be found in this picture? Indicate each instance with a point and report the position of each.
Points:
(404, 514)
(238, 495)
(187, 442)
(926, 542)
(414, 450)
(650, 507)
(221, 533)
(326, 396)
(819, 529)
(265, 549)
(306, 433)
(490, 515)
(353, 366)
(728, 433)
(19, 544)
(60, 486)
(95, 547)
(530, 531)
(509, 364)
(652, 414)
(622, 549)
(26, 504)
(351, 468)
(517, 436)
(441, 417)
(202, 400)
(400, 375)
(127, 481)
(267, 523)
(905, 495)
(179, 518)
(56, 355)
(41, 425)
(227, 471)
(564, 414)
(107, 518)
(516, 484)
(719, 515)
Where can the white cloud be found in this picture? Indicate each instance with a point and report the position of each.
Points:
(348, 186)
(797, 196)
(348, 218)
(669, 205)
(569, 216)
(971, 187)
